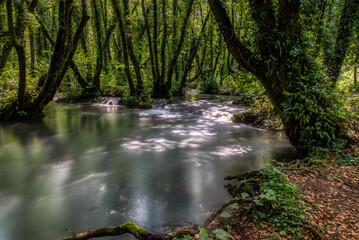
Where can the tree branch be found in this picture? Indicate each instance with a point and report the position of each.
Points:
(128, 227)
(240, 52)
(223, 206)
(179, 45)
(344, 34)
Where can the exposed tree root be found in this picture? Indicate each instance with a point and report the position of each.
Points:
(141, 233)
(314, 230)
(239, 177)
(223, 206)
(129, 227)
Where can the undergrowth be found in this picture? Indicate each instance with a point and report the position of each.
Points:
(279, 204)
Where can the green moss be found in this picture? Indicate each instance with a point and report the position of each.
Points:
(181, 233)
(110, 229)
(134, 229)
(144, 105)
(247, 188)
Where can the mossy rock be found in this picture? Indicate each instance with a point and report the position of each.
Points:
(144, 105)
(243, 176)
(245, 99)
(255, 118)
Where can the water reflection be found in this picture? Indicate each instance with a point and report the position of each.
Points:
(89, 166)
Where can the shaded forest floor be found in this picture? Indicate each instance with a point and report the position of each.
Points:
(331, 195)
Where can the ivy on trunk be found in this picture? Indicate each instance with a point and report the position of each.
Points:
(283, 65)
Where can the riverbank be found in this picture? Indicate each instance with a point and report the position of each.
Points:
(296, 202)
(330, 195)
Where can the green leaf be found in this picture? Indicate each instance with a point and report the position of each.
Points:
(187, 237)
(221, 234)
(235, 206)
(269, 195)
(225, 214)
(204, 234)
(244, 195)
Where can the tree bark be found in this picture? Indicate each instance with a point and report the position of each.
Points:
(128, 227)
(32, 52)
(164, 41)
(155, 45)
(173, 61)
(319, 34)
(193, 52)
(153, 66)
(99, 47)
(344, 34)
(124, 47)
(131, 51)
(18, 41)
(5, 53)
(64, 50)
(80, 79)
(290, 80)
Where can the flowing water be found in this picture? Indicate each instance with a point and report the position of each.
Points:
(88, 166)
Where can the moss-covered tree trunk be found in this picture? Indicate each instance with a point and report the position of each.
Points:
(64, 50)
(347, 21)
(150, 43)
(32, 51)
(5, 53)
(124, 47)
(131, 51)
(18, 41)
(99, 34)
(192, 54)
(173, 60)
(285, 69)
(157, 81)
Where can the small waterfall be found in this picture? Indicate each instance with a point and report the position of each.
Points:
(109, 101)
(218, 111)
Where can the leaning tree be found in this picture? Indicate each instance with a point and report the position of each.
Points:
(67, 39)
(279, 57)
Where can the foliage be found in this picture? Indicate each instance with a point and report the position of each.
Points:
(348, 161)
(317, 116)
(209, 87)
(279, 204)
(219, 233)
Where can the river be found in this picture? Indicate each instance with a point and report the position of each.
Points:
(87, 166)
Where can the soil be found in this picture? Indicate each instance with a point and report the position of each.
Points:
(331, 195)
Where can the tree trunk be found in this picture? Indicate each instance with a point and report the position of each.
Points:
(80, 79)
(17, 39)
(319, 34)
(99, 59)
(32, 52)
(131, 51)
(291, 80)
(124, 47)
(164, 41)
(158, 82)
(64, 50)
(174, 35)
(153, 66)
(5, 53)
(193, 52)
(344, 34)
(173, 61)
